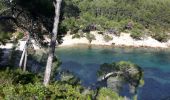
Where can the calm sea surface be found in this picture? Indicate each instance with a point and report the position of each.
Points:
(84, 61)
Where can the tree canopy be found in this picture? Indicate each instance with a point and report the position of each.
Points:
(152, 15)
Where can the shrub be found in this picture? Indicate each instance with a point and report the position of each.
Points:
(107, 38)
(64, 91)
(108, 94)
(90, 37)
(15, 85)
(76, 36)
(161, 37)
(138, 26)
(20, 35)
(81, 33)
(4, 37)
(69, 23)
(38, 91)
(99, 28)
(136, 34)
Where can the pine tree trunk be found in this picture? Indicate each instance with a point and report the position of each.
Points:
(57, 6)
(24, 54)
(25, 61)
(22, 58)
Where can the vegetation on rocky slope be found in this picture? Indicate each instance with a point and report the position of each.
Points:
(139, 17)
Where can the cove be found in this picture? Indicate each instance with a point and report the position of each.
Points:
(84, 61)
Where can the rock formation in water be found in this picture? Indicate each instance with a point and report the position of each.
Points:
(118, 74)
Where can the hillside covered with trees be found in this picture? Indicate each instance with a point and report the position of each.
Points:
(139, 17)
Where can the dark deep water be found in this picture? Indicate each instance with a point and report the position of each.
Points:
(85, 61)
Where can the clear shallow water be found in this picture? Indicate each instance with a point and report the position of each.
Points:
(85, 62)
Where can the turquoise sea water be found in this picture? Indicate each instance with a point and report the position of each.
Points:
(84, 61)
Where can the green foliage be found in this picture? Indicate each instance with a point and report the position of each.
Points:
(2, 6)
(129, 72)
(27, 92)
(17, 77)
(38, 91)
(115, 14)
(134, 75)
(108, 94)
(6, 30)
(16, 84)
(70, 78)
(37, 7)
(106, 68)
(55, 67)
(142, 82)
(79, 34)
(70, 23)
(104, 14)
(136, 34)
(40, 57)
(162, 37)
(135, 97)
(70, 8)
(65, 91)
(20, 35)
(76, 36)
(90, 37)
(107, 38)
(4, 37)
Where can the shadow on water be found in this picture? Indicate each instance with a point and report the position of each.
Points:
(86, 72)
(105, 51)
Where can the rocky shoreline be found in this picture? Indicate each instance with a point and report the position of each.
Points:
(124, 40)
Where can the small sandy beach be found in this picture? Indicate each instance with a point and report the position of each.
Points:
(123, 40)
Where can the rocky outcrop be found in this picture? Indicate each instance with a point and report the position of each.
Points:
(120, 73)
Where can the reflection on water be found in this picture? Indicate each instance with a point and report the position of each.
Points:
(85, 62)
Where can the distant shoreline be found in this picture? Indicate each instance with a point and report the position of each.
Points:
(111, 46)
(124, 40)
